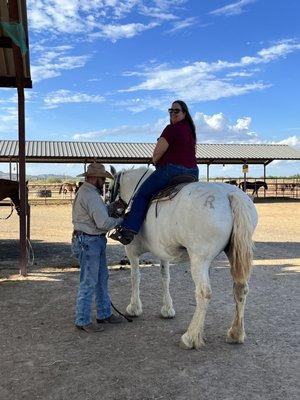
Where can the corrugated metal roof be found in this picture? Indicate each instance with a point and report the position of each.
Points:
(140, 153)
(7, 64)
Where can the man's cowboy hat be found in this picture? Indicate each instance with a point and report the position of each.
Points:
(97, 170)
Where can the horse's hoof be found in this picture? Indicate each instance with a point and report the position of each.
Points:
(167, 313)
(187, 343)
(234, 337)
(133, 311)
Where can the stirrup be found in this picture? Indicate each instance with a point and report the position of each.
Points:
(122, 235)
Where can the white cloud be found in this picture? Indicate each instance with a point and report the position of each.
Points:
(99, 18)
(273, 53)
(291, 141)
(116, 32)
(143, 103)
(182, 24)
(214, 128)
(132, 132)
(217, 128)
(162, 9)
(62, 96)
(210, 128)
(241, 74)
(232, 9)
(75, 16)
(8, 120)
(49, 62)
(202, 81)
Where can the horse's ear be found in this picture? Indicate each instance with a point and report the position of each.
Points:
(113, 170)
(26, 183)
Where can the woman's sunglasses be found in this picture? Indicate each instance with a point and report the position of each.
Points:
(174, 111)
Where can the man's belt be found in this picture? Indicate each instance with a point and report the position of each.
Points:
(76, 233)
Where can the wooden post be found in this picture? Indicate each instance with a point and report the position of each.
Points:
(265, 179)
(207, 172)
(18, 61)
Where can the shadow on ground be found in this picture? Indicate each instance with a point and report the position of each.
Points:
(59, 254)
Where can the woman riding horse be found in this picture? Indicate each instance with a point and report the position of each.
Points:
(174, 155)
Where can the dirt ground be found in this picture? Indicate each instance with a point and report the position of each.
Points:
(43, 357)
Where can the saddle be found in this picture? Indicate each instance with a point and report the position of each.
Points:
(173, 188)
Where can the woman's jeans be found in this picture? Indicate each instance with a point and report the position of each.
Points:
(158, 180)
(91, 253)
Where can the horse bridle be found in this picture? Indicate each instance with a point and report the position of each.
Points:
(116, 189)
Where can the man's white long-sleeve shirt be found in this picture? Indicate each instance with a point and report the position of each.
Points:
(90, 213)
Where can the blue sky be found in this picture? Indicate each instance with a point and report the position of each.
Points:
(107, 70)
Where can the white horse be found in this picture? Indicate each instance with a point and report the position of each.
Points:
(201, 221)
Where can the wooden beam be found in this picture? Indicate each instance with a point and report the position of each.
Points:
(11, 81)
(5, 42)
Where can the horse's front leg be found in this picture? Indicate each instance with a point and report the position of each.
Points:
(134, 308)
(167, 310)
(236, 334)
(193, 337)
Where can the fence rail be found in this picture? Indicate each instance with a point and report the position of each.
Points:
(277, 187)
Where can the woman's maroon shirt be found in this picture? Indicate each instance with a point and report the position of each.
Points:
(182, 145)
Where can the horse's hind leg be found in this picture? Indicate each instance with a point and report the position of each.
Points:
(167, 310)
(236, 333)
(193, 337)
(134, 308)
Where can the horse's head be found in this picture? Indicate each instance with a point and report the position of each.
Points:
(127, 182)
(265, 186)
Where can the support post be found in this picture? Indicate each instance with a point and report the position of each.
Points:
(265, 179)
(207, 172)
(18, 61)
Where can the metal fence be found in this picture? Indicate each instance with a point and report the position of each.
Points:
(277, 187)
(51, 193)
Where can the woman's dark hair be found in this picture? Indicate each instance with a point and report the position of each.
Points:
(188, 117)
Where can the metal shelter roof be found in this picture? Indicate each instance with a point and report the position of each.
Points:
(140, 153)
(7, 63)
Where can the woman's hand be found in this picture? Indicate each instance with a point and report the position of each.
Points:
(160, 149)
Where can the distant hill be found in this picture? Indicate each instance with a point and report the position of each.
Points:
(5, 175)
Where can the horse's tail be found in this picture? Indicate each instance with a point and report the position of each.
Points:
(60, 189)
(241, 245)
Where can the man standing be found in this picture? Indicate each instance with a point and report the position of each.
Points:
(91, 222)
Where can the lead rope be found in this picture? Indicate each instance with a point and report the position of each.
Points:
(122, 315)
(11, 211)
(30, 253)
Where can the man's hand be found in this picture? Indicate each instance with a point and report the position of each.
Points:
(116, 209)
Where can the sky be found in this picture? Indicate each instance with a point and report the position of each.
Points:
(108, 70)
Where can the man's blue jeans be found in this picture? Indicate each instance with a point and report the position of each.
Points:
(91, 253)
(158, 180)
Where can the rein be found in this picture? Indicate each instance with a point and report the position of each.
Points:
(134, 190)
(11, 211)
